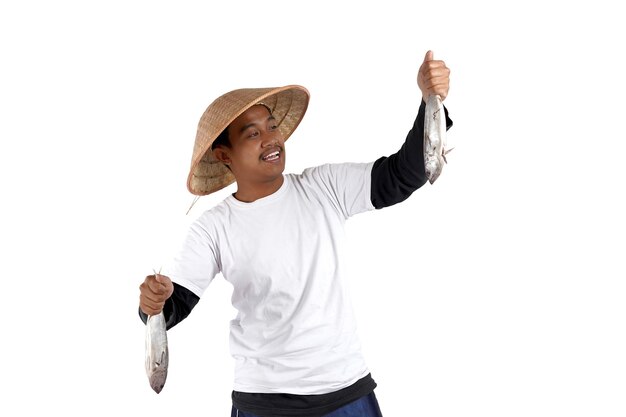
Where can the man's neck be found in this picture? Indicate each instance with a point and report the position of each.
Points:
(253, 192)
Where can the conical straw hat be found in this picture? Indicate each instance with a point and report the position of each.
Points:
(287, 104)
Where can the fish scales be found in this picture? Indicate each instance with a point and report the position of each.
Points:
(157, 355)
(434, 138)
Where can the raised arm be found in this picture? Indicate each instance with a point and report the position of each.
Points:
(394, 178)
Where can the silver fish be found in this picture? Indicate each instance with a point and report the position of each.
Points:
(434, 138)
(157, 355)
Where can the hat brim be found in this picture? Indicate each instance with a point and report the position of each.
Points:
(288, 105)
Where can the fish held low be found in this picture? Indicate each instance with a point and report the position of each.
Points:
(157, 355)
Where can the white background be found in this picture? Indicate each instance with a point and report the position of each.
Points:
(498, 291)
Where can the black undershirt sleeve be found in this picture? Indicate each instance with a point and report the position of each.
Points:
(394, 178)
(177, 307)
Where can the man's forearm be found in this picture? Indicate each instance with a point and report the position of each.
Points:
(394, 178)
(177, 307)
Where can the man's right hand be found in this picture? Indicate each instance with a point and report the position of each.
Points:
(433, 77)
(153, 292)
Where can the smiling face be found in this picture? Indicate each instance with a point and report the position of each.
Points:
(256, 155)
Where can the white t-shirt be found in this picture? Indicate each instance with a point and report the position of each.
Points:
(295, 331)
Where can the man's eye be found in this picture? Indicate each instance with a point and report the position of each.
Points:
(273, 127)
(253, 134)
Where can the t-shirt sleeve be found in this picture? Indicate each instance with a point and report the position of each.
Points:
(196, 262)
(347, 186)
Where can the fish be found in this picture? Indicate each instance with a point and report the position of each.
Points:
(434, 138)
(157, 354)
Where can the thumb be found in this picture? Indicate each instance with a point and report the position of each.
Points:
(428, 56)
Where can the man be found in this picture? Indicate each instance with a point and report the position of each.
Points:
(277, 240)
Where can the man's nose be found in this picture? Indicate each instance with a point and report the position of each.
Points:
(270, 139)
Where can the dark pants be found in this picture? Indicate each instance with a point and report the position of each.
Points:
(363, 407)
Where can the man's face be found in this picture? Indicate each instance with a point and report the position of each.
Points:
(257, 147)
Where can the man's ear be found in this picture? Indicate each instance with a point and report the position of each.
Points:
(221, 155)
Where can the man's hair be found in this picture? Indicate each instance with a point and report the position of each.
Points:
(222, 140)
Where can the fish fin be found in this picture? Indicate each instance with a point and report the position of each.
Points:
(444, 153)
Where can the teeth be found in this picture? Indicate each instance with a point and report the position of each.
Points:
(271, 156)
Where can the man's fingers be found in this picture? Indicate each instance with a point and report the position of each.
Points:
(162, 279)
(153, 297)
(433, 65)
(150, 307)
(428, 56)
(155, 286)
(438, 86)
(436, 75)
(437, 80)
(153, 292)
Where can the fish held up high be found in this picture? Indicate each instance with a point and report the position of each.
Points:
(434, 138)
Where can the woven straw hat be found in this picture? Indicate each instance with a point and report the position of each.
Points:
(287, 104)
